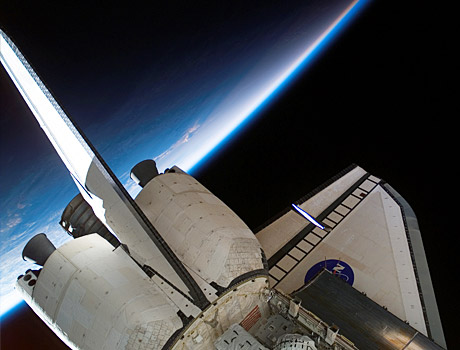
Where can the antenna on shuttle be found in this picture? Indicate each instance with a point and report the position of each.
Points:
(308, 217)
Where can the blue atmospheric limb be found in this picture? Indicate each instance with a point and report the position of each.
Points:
(263, 99)
(336, 267)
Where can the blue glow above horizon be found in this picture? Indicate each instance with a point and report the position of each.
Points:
(11, 308)
(251, 109)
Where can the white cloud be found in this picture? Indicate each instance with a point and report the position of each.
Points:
(183, 140)
(21, 205)
(11, 221)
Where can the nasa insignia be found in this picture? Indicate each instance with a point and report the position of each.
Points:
(334, 266)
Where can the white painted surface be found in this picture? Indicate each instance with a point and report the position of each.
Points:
(96, 298)
(369, 235)
(276, 235)
(206, 235)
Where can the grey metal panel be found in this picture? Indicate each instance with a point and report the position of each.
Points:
(422, 271)
(364, 322)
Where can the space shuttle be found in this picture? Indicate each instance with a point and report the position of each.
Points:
(176, 268)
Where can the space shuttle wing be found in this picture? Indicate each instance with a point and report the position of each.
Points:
(371, 240)
(97, 183)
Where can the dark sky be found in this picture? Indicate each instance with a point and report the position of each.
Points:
(377, 97)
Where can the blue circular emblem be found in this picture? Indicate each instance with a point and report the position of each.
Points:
(336, 267)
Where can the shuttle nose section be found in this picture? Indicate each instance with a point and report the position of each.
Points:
(38, 249)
